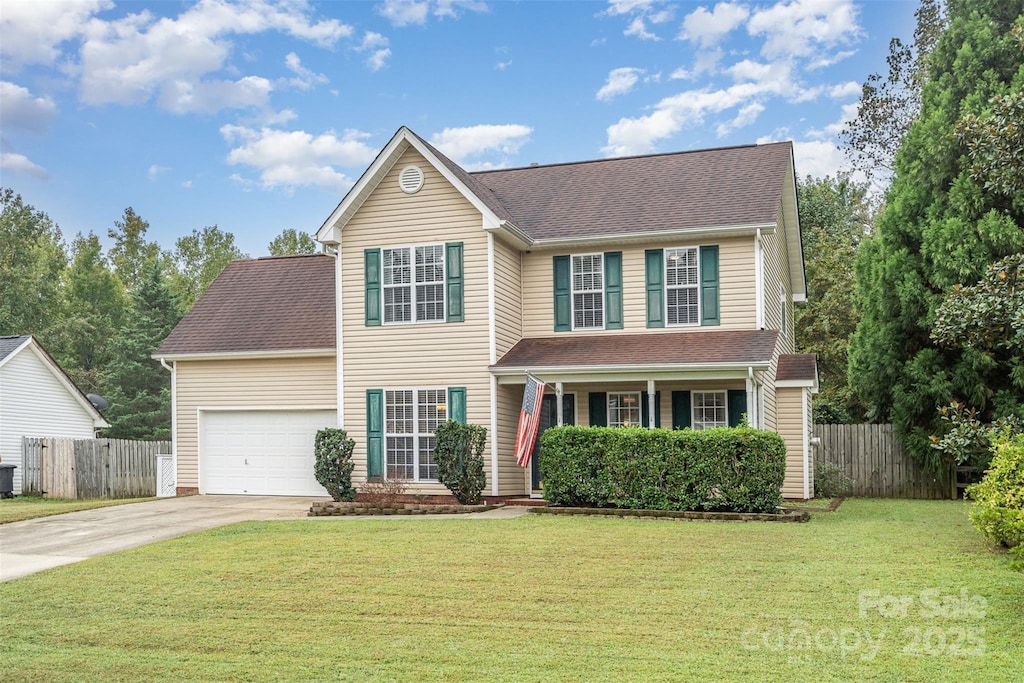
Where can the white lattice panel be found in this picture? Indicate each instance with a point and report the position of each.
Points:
(165, 480)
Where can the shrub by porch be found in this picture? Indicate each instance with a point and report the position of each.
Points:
(727, 469)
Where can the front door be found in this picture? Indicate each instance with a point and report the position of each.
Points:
(549, 418)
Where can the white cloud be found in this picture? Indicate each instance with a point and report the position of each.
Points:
(620, 81)
(465, 145)
(32, 32)
(818, 158)
(186, 184)
(19, 163)
(803, 28)
(20, 109)
(416, 12)
(746, 116)
(131, 59)
(304, 78)
(290, 159)
(376, 45)
(640, 14)
(638, 29)
(154, 172)
(501, 66)
(680, 74)
(707, 28)
(844, 90)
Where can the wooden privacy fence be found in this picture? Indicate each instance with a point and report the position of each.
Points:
(90, 468)
(875, 460)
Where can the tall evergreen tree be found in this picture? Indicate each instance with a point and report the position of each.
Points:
(138, 387)
(94, 304)
(940, 227)
(835, 217)
(32, 260)
(131, 251)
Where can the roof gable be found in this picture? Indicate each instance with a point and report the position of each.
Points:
(13, 346)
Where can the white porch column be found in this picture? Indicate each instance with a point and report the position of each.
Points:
(558, 402)
(651, 408)
(752, 408)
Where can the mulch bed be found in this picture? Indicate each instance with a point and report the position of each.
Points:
(789, 516)
(331, 508)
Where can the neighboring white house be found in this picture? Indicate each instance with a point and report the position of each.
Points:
(37, 399)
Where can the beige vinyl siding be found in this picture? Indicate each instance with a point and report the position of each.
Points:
(508, 288)
(736, 283)
(791, 405)
(776, 271)
(769, 409)
(512, 479)
(278, 383)
(415, 355)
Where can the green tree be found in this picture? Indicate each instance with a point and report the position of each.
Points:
(292, 242)
(137, 386)
(199, 258)
(131, 251)
(835, 217)
(939, 228)
(94, 304)
(32, 260)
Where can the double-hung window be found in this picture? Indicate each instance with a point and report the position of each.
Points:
(710, 409)
(682, 286)
(624, 409)
(414, 284)
(588, 292)
(411, 416)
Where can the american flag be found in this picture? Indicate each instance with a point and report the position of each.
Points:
(529, 417)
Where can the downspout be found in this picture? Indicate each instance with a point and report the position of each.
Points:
(492, 355)
(752, 416)
(173, 369)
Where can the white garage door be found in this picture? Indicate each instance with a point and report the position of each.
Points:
(267, 453)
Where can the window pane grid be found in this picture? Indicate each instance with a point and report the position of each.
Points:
(624, 410)
(411, 417)
(681, 286)
(709, 409)
(588, 291)
(414, 284)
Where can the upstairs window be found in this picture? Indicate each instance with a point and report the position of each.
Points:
(682, 293)
(414, 284)
(588, 292)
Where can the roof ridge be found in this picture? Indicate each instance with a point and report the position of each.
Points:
(282, 256)
(630, 157)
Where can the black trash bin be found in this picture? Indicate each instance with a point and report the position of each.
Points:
(7, 480)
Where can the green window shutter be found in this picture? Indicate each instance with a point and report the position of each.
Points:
(453, 281)
(680, 409)
(563, 293)
(709, 313)
(598, 409)
(655, 265)
(371, 262)
(457, 404)
(737, 406)
(645, 411)
(613, 290)
(374, 432)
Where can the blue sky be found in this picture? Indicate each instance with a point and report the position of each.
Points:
(258, 115)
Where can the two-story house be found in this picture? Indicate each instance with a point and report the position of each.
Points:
(654, 290)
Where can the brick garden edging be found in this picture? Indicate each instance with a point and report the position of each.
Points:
(799, 516)
(332, 508)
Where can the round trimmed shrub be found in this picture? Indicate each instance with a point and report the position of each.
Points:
(333, 468)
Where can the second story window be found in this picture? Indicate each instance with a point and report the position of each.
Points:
(588, 291)
(682, 295)
(414, 284)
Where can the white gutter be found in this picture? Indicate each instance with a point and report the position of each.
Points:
(584, 369)
(492, 351)
(233, 355)
(338, 338)
(689, 233)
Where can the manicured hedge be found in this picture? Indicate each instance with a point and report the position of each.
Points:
(728, 469)
(998, 511)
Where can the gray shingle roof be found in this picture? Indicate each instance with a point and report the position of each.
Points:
(10, 343)
(267, 304)
(667, 348)
(797, 366)
(660, 192)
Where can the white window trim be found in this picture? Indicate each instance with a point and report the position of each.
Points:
(412, 285)
(665, 286)
(416, 434)
(693, 405)
(573, 291)
(639, 407)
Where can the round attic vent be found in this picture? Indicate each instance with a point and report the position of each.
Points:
(410, 179)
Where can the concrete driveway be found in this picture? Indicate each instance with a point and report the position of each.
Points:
(37, 544)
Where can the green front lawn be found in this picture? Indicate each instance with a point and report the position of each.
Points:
(537, 598)
(28, 507)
